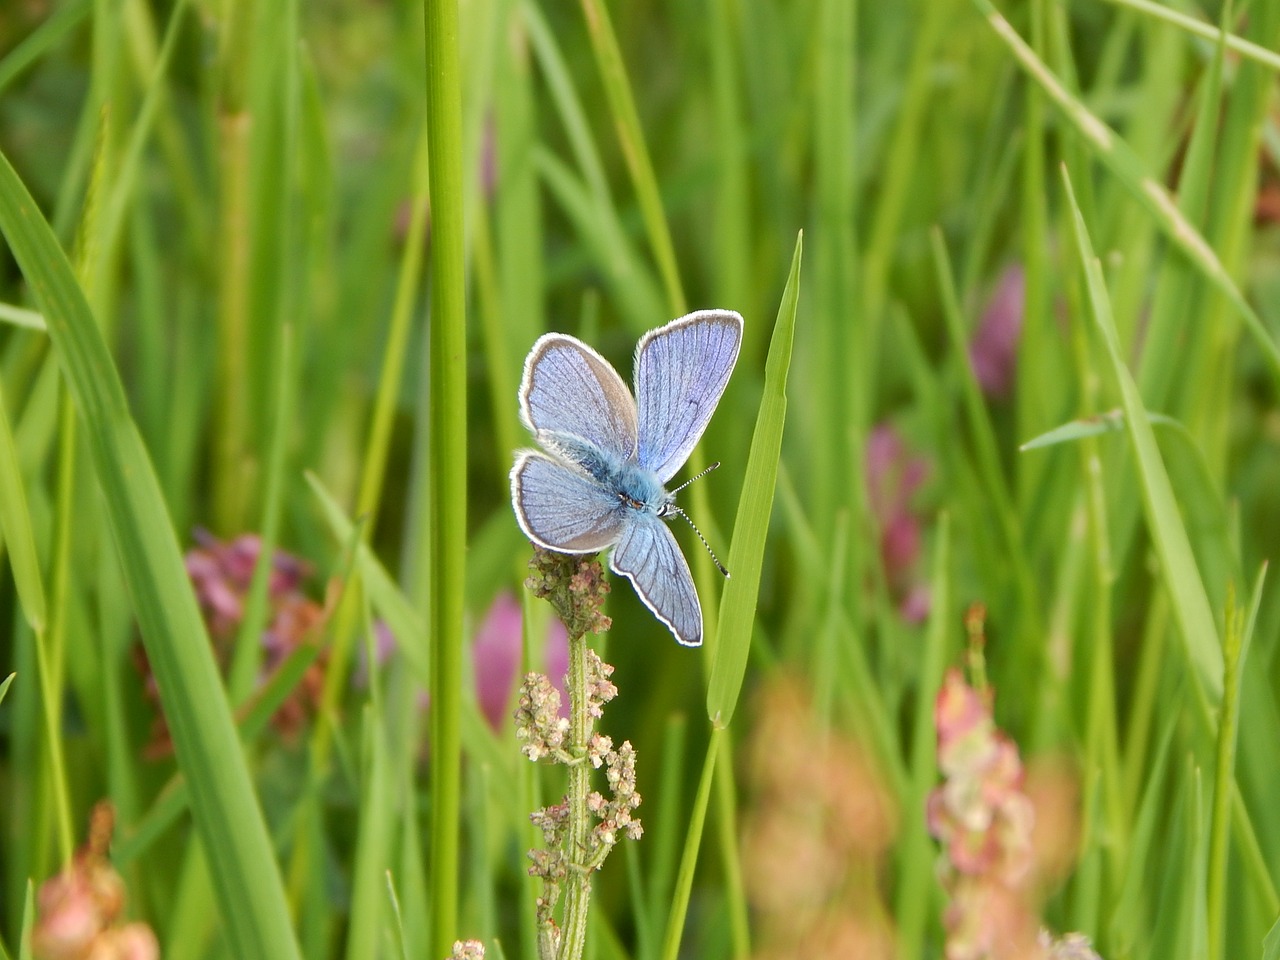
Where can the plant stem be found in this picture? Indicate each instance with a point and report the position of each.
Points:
(448, 458)
(578, 881)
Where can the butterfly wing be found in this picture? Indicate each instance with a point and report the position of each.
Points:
(561, 508)
(650, 558)
(569, 389)
(681, 371)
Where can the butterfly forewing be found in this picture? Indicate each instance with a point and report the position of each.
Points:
(562, 509)
(568, 388)
(681, 371)
(648, 556)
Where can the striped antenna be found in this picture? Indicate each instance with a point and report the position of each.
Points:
(672, 508)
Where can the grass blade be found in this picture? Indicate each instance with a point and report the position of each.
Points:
(751, 526)
(28, 919)
(447, 458)
(15, 525)
(626, 121)
(1246, 48)
(1182, 579)
(227, 814)
(1120, 159)
(689, 860)
(917, 885)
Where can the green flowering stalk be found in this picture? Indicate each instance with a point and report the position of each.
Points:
(578, 832)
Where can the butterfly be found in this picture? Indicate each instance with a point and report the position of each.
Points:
(600, 479)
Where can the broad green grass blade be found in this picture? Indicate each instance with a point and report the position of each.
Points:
(1181, 578)
(227, 814)
(15, 525)
(5, 684)
(751, 526)
(1120, 159)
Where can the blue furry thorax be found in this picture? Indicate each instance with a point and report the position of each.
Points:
(636, 486)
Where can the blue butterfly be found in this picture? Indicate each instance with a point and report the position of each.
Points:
(601, 481)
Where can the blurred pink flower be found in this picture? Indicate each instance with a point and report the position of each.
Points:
(894, 474)
(984, 819)
(221, 573)
(79, 908)
(495, 657)
(993, 350)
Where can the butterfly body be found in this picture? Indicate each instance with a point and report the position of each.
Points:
(600, 479)
(637, 487)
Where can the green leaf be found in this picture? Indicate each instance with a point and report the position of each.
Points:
(1271, 945)
(245, 875)
(1182, 579)
(750, 528)
(28, 920)
(15, 525)
(1110, 422)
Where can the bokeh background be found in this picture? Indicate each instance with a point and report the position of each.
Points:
(1058, 227)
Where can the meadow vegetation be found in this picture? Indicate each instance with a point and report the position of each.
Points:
(996, 672)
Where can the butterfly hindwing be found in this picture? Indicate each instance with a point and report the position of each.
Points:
(681, 371)
(647, 554)
(561, 508)
(568, 388)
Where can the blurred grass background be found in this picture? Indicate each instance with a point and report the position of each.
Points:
(241, 192)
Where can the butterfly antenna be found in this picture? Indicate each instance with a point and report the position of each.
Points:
(693, 478)
(714, 559)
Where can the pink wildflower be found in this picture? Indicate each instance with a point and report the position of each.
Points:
(495, 657)
(993, 351)
(79, 908)
(221, 573)
(894, 475)
(984, 819)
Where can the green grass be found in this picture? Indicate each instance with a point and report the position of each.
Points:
(274, 268)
